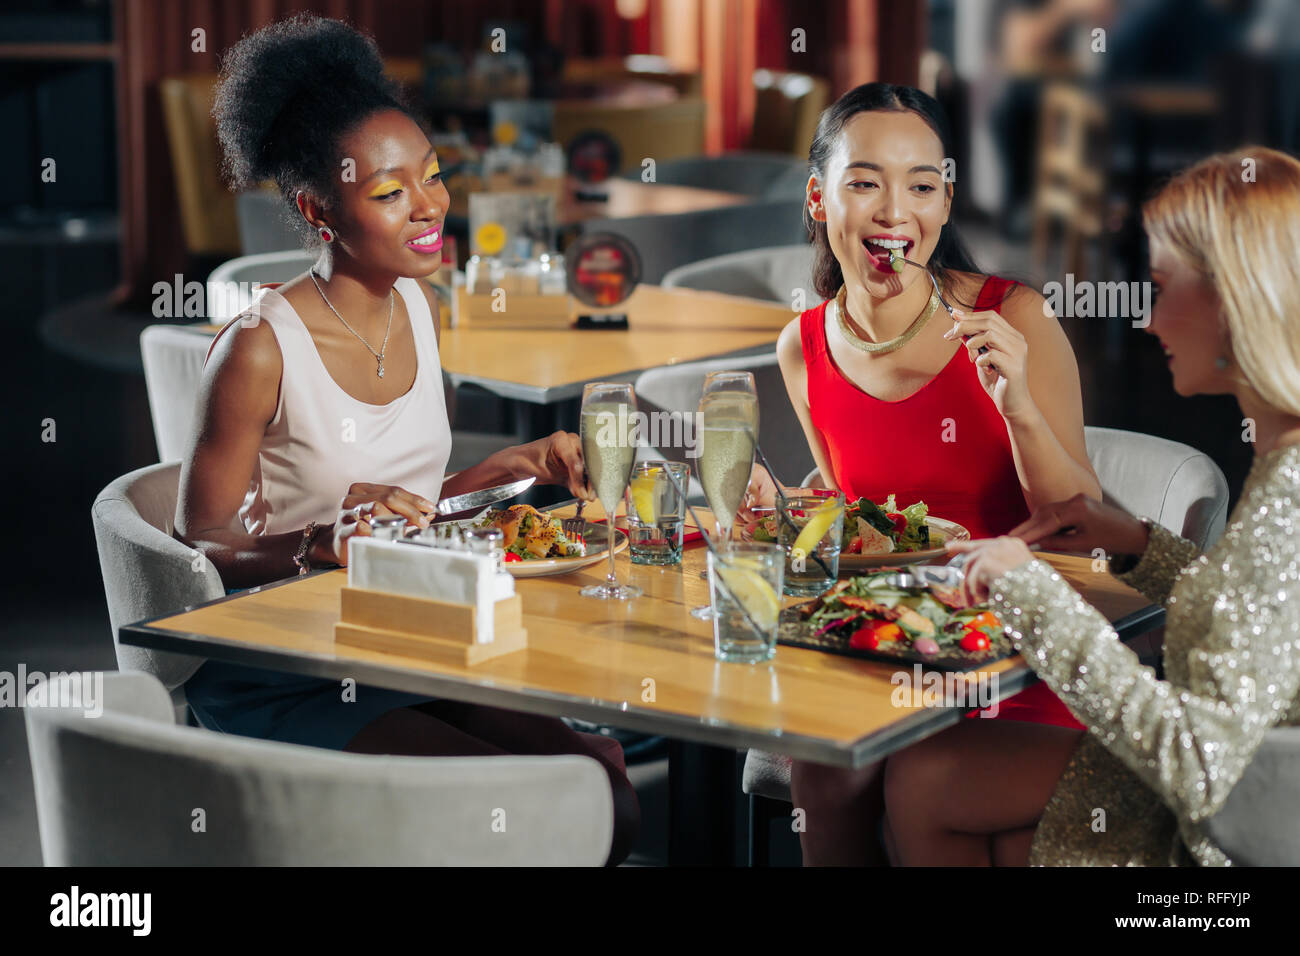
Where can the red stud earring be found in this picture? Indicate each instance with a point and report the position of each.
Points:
(325, 234)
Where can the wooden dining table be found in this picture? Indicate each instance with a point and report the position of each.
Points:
(644, 665)
(665, 327)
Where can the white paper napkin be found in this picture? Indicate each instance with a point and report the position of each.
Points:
(418, 571)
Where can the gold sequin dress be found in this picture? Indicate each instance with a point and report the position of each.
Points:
(1161, 756)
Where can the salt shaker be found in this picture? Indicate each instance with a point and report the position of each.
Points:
(388, 527)
(489, 541)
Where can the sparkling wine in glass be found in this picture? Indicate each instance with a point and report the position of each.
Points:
(608, 427)
(728, 428)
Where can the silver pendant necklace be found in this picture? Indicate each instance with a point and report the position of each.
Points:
(379, 356)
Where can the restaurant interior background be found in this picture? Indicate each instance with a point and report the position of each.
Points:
(1058, 139)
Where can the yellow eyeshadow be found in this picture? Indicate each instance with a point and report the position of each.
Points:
(433, 170)
(385, 187)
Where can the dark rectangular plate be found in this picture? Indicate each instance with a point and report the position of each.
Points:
(794, 632)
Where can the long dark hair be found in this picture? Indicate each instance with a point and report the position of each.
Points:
(949, 254)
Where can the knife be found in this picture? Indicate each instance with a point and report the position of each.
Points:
(475, 501)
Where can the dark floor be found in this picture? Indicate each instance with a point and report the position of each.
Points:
(93, 400)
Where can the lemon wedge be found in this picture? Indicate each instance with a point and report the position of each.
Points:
(643, 494)
(755, 595)
(819, 522)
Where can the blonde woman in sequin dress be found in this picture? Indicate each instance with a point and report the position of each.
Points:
(1159, 757)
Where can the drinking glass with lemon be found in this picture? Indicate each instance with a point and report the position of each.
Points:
(809, 532)
(745, 594)
(656, 513)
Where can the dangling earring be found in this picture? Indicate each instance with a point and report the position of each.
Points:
(326, 236)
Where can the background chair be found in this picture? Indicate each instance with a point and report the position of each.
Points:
(1175, 485)
(1259, 826)
(264, 224)
(773, 273)
(1070, 191)
(668, 241)
(207, 207)
(787, 107)
(148, 573)
(676, 389)
(661, 131)
(761, 175)
(122, 790)
(638, 67)
(173, 367)
(230, 284)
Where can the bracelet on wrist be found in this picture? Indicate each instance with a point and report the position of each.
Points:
(304, 547)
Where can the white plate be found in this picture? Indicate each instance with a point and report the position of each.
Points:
(595, 538)
(941, 530)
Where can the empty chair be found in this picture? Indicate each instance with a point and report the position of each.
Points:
(264, 224)
(173, 367)
(1175, 485)
(779, 273)
(128, 788)
(761, 175)
(677, 389)
(787, 107)
(660, 130)
(1258, 825)
(147, 572)
(668, 241)
(230, 286)
(207, 209)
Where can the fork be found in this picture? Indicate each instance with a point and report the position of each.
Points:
(575, 528)
(942, 301)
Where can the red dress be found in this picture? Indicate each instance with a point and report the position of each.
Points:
(945, 444)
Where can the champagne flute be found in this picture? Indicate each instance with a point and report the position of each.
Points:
(728, 430)
(608, 426)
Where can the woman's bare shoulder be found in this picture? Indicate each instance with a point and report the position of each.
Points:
(246, 364)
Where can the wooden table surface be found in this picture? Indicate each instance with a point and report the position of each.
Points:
(665, 327)
(631, 197)
(645, 665)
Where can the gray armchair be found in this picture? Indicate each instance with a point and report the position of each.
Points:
(772, 273)
(668, 241)
(130, 788)
(148, 573)
(676, 389)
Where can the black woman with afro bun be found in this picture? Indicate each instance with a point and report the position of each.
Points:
(322, 407)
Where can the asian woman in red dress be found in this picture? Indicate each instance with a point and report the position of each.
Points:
(896, 397)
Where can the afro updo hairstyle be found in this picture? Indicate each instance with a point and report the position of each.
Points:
(287, 96)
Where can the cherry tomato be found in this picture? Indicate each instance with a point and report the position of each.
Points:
(864, 639)
(870, 635)
(900, 523)
(975, 641)
(511, 556)
(855, 546)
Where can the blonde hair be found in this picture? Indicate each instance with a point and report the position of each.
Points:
(1235, 219)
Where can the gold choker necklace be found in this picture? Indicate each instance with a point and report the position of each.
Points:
(879, 348)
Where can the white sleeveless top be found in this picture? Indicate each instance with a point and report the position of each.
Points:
(321, 439)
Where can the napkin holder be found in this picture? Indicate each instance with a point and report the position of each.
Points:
(447, 606)
(523, 310)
